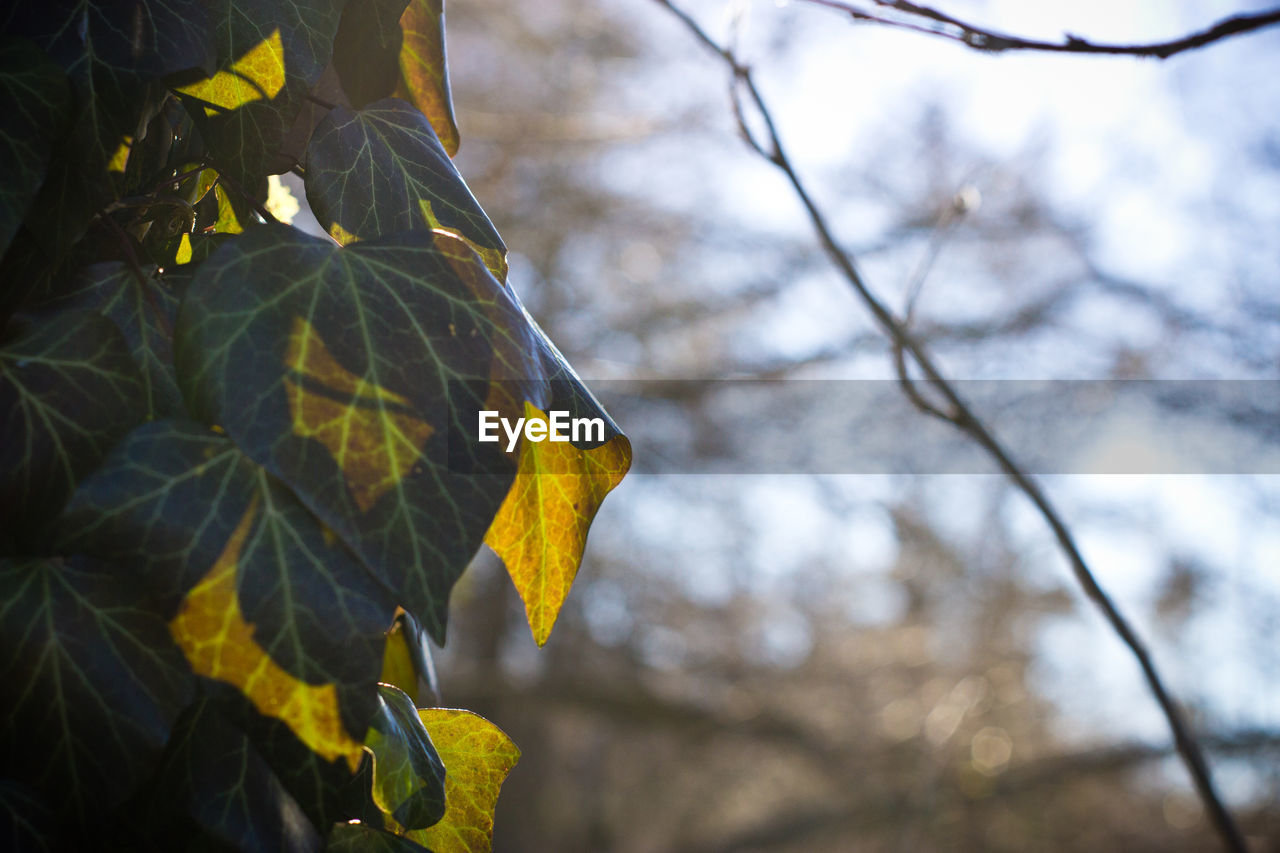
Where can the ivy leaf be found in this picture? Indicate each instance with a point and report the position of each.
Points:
(112, 50)
(326, 790)
(406, 660)
(408, 775)
(382, 169)
(355, 375)
(259, 597)
(93, 682)
(478, 756)
(200, 523)
(35, 104)
(424, 68)
(143, 306)
(366, 52)
(397, 662)
(269, 54)
(219, 644)
(27, 824)
(541, 530)
(216, 775)
(358, 838)
(68, 391)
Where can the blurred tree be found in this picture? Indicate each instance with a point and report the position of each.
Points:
(743, 667)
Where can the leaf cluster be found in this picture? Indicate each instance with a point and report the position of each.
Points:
(239, 468)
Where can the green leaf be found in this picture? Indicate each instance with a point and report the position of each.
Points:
(326, 790)
(381, 169)
(169, 500)
(425, 69)
(35, 105)
(27, 824)
(478, 756)
(214, 773)
(167, 144)
(408, 775)
(93, 682)
(69, 390)
(269, 54)
(113, 52)
(406, 661)
(366, 52)
(358, 838)
(142, 304)
(355, 375)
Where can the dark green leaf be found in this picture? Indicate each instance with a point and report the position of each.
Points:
(167, 144)
(271, 53)
(27, 824)
(381, 169)
(75, 188)
(68, 391)
(366, 53)
(25, 269)
(114, 41)
(357, 838)
(408, 775)
(92, 681)
(425, 69)
(114, 50)
(327, 791)
(356, 375)
(220, 779)
(35, 104)
(143, 306)
(167, 500)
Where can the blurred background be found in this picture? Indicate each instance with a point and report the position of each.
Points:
(897, 663)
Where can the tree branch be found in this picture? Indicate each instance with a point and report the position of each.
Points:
(924, 19)
(958, 413)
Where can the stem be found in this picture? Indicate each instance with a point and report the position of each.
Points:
(245, 196)
(924, 19)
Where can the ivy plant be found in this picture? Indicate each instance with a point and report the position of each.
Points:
(239, 464)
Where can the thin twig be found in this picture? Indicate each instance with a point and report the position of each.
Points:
(177, 179)
(961, 416)
(924, 19)
(321, 102)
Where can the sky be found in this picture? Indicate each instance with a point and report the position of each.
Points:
(1159, 161)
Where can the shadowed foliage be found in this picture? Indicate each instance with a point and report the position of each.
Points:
(239, 468)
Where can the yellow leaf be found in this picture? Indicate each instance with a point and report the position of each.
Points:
(424, 73)
(541, 529)
(371, 432)
(121, 158)
(494, 259)
(227, 222)
(257, 75)
(184, 250)
(218, 642)
(341, 236)
(477, 757)
(397, 662)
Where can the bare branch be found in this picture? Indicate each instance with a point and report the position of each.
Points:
(923, 19)
(958, 413)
